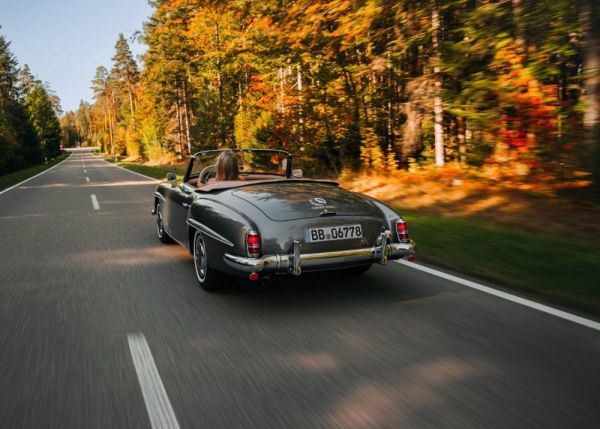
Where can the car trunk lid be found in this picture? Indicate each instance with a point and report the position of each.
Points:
(288, 200)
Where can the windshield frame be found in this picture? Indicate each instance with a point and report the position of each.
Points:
(288, 172)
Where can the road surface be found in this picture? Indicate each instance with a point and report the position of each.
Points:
(101, 326)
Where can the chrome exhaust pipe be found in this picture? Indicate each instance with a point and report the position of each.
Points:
(265, 281)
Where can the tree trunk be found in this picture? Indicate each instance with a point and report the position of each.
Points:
(281, 75)
(412, 32)
(517, 10)
(131, 103)
(179, 148)
(461, 131)
(108, 124)
(186, 116)
(220, 84)
(438, 109)
(591, 73)
(114, 118)
(389, 104)
(300, 105)
(351, 150)
(411, 137)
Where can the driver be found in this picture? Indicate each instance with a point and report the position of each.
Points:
(226, 168)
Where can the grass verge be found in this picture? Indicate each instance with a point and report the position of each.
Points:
(155, 171)
(553, 268)
(10, 179)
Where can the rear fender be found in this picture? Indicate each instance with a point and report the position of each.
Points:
(389, 214)
(223, 229)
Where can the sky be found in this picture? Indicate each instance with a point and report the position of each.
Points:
(63, 41)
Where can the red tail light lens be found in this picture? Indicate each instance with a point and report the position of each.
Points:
(253, 243)
(402, 230)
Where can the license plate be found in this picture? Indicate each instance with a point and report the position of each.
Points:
(340, 232)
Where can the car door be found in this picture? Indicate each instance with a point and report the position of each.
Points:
(179, 202)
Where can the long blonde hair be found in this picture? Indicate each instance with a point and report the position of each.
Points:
(227, 166)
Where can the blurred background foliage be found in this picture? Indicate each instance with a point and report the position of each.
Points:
(505, 88)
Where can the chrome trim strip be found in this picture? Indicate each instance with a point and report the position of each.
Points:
(294, 261)
(206, 230)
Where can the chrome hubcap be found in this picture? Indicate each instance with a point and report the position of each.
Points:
(200, 258)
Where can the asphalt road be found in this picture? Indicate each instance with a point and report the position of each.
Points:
(397, 348)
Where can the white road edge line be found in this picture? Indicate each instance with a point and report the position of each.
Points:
(95, 202)
(531, 304)
(157, 402)
(131, 171)
(33, 177)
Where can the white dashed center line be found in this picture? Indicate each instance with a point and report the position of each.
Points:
(157, 402)
(87, 179)
(95, 202)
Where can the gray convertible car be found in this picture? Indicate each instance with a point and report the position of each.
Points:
(272, 221)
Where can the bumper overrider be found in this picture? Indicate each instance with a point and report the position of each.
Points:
(294, 261)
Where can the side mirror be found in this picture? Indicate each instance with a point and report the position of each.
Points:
(297, 174)
(172, 177)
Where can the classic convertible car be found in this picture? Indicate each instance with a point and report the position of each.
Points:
(273, 221)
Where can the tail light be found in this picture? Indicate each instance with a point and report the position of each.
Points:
(402, 230)
(253, 244)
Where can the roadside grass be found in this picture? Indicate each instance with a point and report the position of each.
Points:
(155, 171)
(572, 212)
(553, 268)
(10, 179)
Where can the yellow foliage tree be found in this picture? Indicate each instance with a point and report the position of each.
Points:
(371, 156)
(391, 165)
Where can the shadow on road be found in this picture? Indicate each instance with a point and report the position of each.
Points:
(331, 289)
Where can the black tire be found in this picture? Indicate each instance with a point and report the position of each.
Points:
(357, 271)
(208, 278)
(160, 228)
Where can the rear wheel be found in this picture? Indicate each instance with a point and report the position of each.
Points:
(160, 228)
(208, 278)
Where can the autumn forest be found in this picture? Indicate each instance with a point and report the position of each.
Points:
(374, 84)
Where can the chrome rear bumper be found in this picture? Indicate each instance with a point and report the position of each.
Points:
(294, 261)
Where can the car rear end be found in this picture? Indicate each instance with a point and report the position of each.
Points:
(311, 227)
